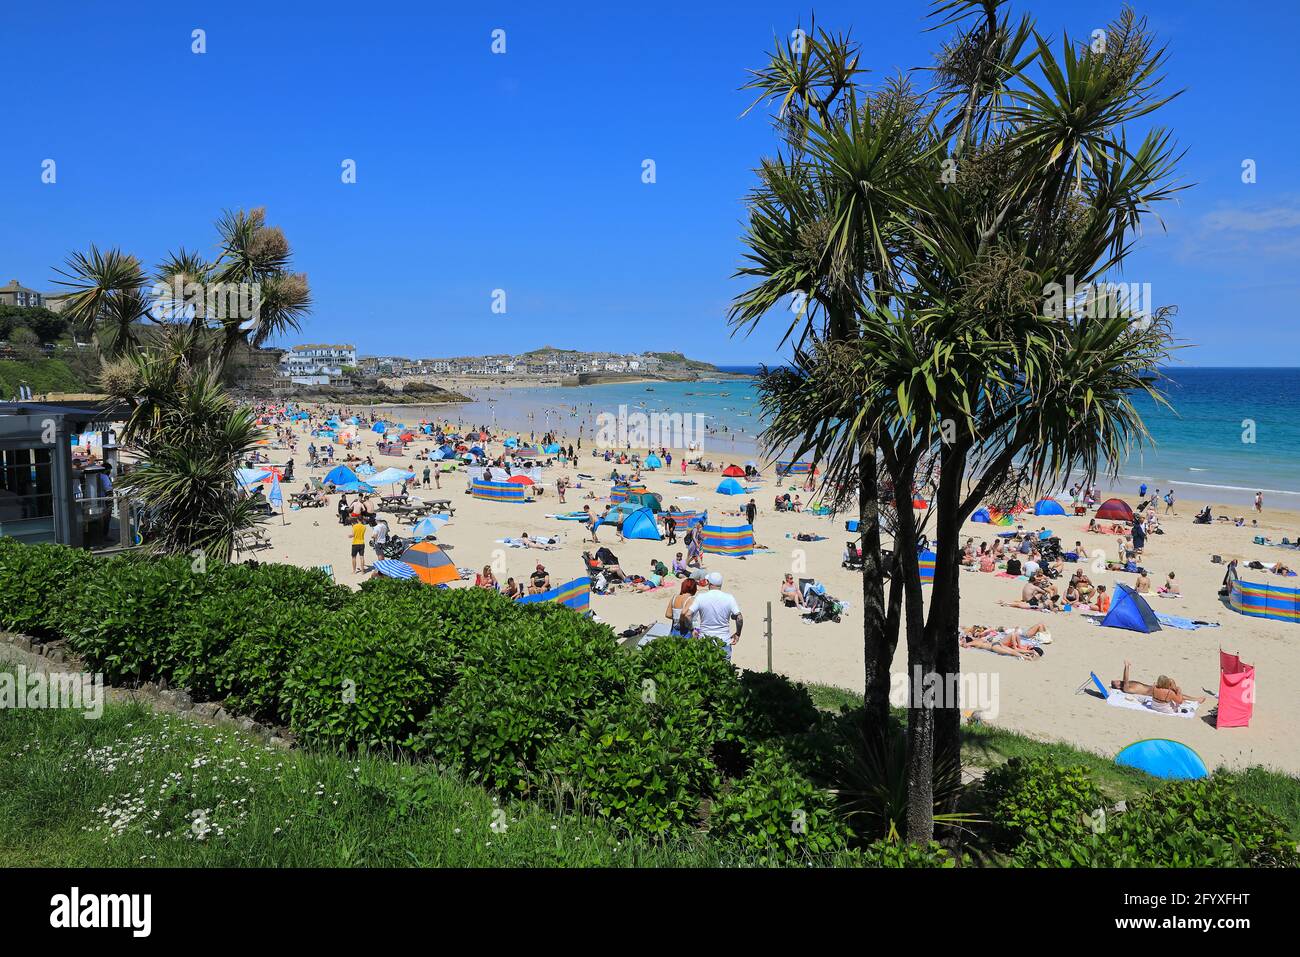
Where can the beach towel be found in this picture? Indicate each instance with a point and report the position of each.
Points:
(1144, 702)
(1186, 624)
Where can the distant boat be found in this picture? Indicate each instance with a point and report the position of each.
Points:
(649, 390)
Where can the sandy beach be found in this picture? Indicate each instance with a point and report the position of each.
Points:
(1038, 698)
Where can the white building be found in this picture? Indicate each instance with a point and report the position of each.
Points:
(317, 364)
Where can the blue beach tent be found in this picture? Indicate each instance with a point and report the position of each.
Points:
(1163, 758)
(641, 524)
(1048, 506)
(982, 515)
(1130, 610)
(379, 427)
(730, 487)
(653, 461)
(340, 475)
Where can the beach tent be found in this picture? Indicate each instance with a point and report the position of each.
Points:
(1048, 506)
(340, 475)
(391, 476)
(447, 451)
(552, 449)
(650, 500)
(1236, 692)
(982, 515)
(1130, 610)
(1115, 510)
(617, 514)
(734, 471)
(498, 491)
(431, 563)
(575, 594)
(793, 468)
(1163, 758)
(733, 541)
(510, 443)
(926, 560)
(730, 486)
(474, 437)
(653, 461)
(1265, 601)
(477, 450)
(520, 480)
(379, 427)
(641, 524)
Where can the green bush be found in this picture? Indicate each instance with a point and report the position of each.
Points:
(634, 766)
(1038, 797)
(775, 706)
(368, 681)
(242, 635)
(528, 676)
(35, 580)
(122, 612)
(906, 854)
(1202, 823)
(777, 811)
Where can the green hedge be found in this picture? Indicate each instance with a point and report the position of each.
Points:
(537, 701)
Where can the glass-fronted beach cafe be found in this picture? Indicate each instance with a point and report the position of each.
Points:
(58, 464)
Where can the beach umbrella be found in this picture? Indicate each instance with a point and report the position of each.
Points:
(429, 525)
(391, 476)
(356, 486)
(392, 568)
(248, 477)
(431, 563)
(733, 471)
(520, 480)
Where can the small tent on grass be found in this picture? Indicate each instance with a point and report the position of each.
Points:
(1115, 510)
(1163, 758)
(641, 524)
(1130, 610)
(1048, 506)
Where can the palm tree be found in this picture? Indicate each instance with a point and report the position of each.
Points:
(166, 346)
(1011, 183)
(190, 437)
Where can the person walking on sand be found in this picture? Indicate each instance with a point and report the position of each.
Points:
(427, 471)
(1259, 501)
(750, 511)
(1169, 501)
(713, 611)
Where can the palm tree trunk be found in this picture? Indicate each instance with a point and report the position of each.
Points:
(877, 646)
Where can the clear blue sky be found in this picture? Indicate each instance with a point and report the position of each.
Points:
(523, 171)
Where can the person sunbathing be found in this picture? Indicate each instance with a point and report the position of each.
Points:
(1170, 587)
(790, 595)
(975, 637)
(1143, 584)
(1165, 690)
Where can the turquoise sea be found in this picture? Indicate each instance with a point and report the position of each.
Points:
(1230, 432)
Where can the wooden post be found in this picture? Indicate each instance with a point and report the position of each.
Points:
(769, 637)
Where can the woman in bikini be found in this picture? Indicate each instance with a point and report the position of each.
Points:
(1165, 690)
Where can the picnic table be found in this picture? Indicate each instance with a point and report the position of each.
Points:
(442, 505)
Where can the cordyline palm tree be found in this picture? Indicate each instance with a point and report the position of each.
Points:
(112, 298)
(166, 349)
(1016, 183)
(190, 437)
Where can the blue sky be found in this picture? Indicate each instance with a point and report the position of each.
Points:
(522, 171)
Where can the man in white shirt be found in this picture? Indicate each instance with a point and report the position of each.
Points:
(713, 612)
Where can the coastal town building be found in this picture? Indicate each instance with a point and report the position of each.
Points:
(16, 294)
(317, 364)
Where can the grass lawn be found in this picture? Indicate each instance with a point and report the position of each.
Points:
(986, 746)
(136, 788)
